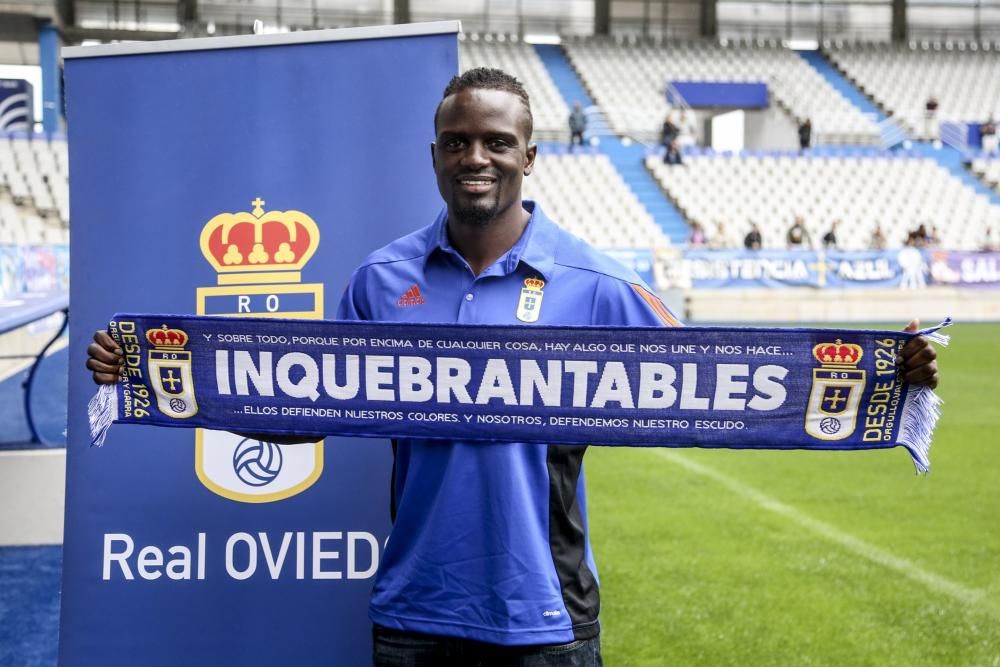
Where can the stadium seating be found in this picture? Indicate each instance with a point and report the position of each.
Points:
(963, 77)
(34, 190)
(897, 193)
(515, 57)
(988, 170)
(627, 77)
(586, 195)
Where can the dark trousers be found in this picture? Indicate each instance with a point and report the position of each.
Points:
(394, 648)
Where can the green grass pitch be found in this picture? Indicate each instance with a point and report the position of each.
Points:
(716, 557)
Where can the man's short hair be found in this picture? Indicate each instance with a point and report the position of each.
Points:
(489, 79)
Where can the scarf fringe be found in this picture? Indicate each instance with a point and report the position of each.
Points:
(934, 334)
(102, 411)
(920, 415)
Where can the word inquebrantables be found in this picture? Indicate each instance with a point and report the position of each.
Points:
(413, 379)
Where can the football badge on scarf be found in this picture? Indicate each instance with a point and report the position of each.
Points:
(170, 372)
(838, 383)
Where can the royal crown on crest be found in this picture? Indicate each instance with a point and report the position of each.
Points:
(838, 353)
(277, 242)
(168, 338)
(535, 284)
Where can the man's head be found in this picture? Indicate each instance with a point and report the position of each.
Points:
(482, 149)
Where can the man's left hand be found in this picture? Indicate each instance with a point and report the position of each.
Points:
(918, 359)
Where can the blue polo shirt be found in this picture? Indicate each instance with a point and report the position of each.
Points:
(489, 540)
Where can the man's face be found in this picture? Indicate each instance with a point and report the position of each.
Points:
(481, 154)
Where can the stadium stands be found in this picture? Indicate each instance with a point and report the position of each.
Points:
(511, 55)
(587, 196)
(988, 170)
(897, 192)
(34, 190)
(964, 78)
(627, 77)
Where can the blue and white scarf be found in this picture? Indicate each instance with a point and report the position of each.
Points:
(663, 387)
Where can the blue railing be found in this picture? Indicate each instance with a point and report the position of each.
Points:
(21, 312)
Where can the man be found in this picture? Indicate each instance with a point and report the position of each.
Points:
(489, 561)
(830, 238)
(805, 135)
(577, 125)
(798, 236)
(668, 134)
(753, 240)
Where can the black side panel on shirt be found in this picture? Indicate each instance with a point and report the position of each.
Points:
(392, 485)
(567, 540)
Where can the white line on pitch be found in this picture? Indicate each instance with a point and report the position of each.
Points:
(935, 582)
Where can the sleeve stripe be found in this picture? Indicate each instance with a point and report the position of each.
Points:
(654, 302)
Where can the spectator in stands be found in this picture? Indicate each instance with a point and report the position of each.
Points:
(720, 239)
(688, 135)
(830, 238)
(697, 237)
(577, 125)
(934, 238)
(917, 238)
(989, 243)
(805, 135)
(930, 118)
(878, 238)
(753, 239)
(798, 235)
(673, 154)
(988, 133)
(668, 134)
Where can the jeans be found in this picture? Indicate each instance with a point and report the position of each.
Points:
(395, 648)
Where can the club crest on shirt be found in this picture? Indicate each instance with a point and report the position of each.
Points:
(529, 306)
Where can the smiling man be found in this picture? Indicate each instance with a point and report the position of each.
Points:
(489, 561)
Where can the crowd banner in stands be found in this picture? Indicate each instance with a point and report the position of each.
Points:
(719, 94)
(906, 268)
(33, 269)
(965, 269)
(639, 260)
(240, 175)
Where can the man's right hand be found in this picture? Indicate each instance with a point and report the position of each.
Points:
(104, 358)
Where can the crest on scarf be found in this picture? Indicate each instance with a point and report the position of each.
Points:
(170, 372)
(529, 306)
(259, 256)
(838, 383)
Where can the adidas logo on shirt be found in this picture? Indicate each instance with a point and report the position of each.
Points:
(413, 297)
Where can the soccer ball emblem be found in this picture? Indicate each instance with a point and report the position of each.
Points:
(829, 425)
(257, 463)
(177, 405)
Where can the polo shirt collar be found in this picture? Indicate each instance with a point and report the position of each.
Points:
(536, 247)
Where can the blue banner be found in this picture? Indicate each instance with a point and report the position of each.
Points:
(33, 269)
(742, 269)
(673, 386)
(965, 269)
(234, 176)
(640, 261)
(718, 94)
